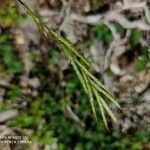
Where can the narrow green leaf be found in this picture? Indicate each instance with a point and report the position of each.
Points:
(106, 94)
(99, 86)
(108, 110)
(93, 78)
(101, 107)
(76, 69)
(89, 93)
(92, 86)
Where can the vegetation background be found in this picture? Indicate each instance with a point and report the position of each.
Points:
(40, 94)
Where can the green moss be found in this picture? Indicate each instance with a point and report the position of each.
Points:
(8, 58)
(102, 32)
(135, 37)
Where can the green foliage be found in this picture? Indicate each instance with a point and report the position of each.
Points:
(72, 86)
(44, 115)
(141, 64)
(135, 37)
(24, 120)
(8, 58)
(13, 92)
(10, 15)
(143, 135)
(95, 4)
(102, 32)
(143, 60)
(53, 59)
(146, 52)
(119, 28)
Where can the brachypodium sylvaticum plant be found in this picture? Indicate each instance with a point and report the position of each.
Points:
(95, 90)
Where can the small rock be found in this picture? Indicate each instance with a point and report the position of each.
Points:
(4, 116)
(34, 83)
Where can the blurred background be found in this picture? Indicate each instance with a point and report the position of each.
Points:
(40, 94)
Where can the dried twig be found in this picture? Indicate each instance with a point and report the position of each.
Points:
(73, 116)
